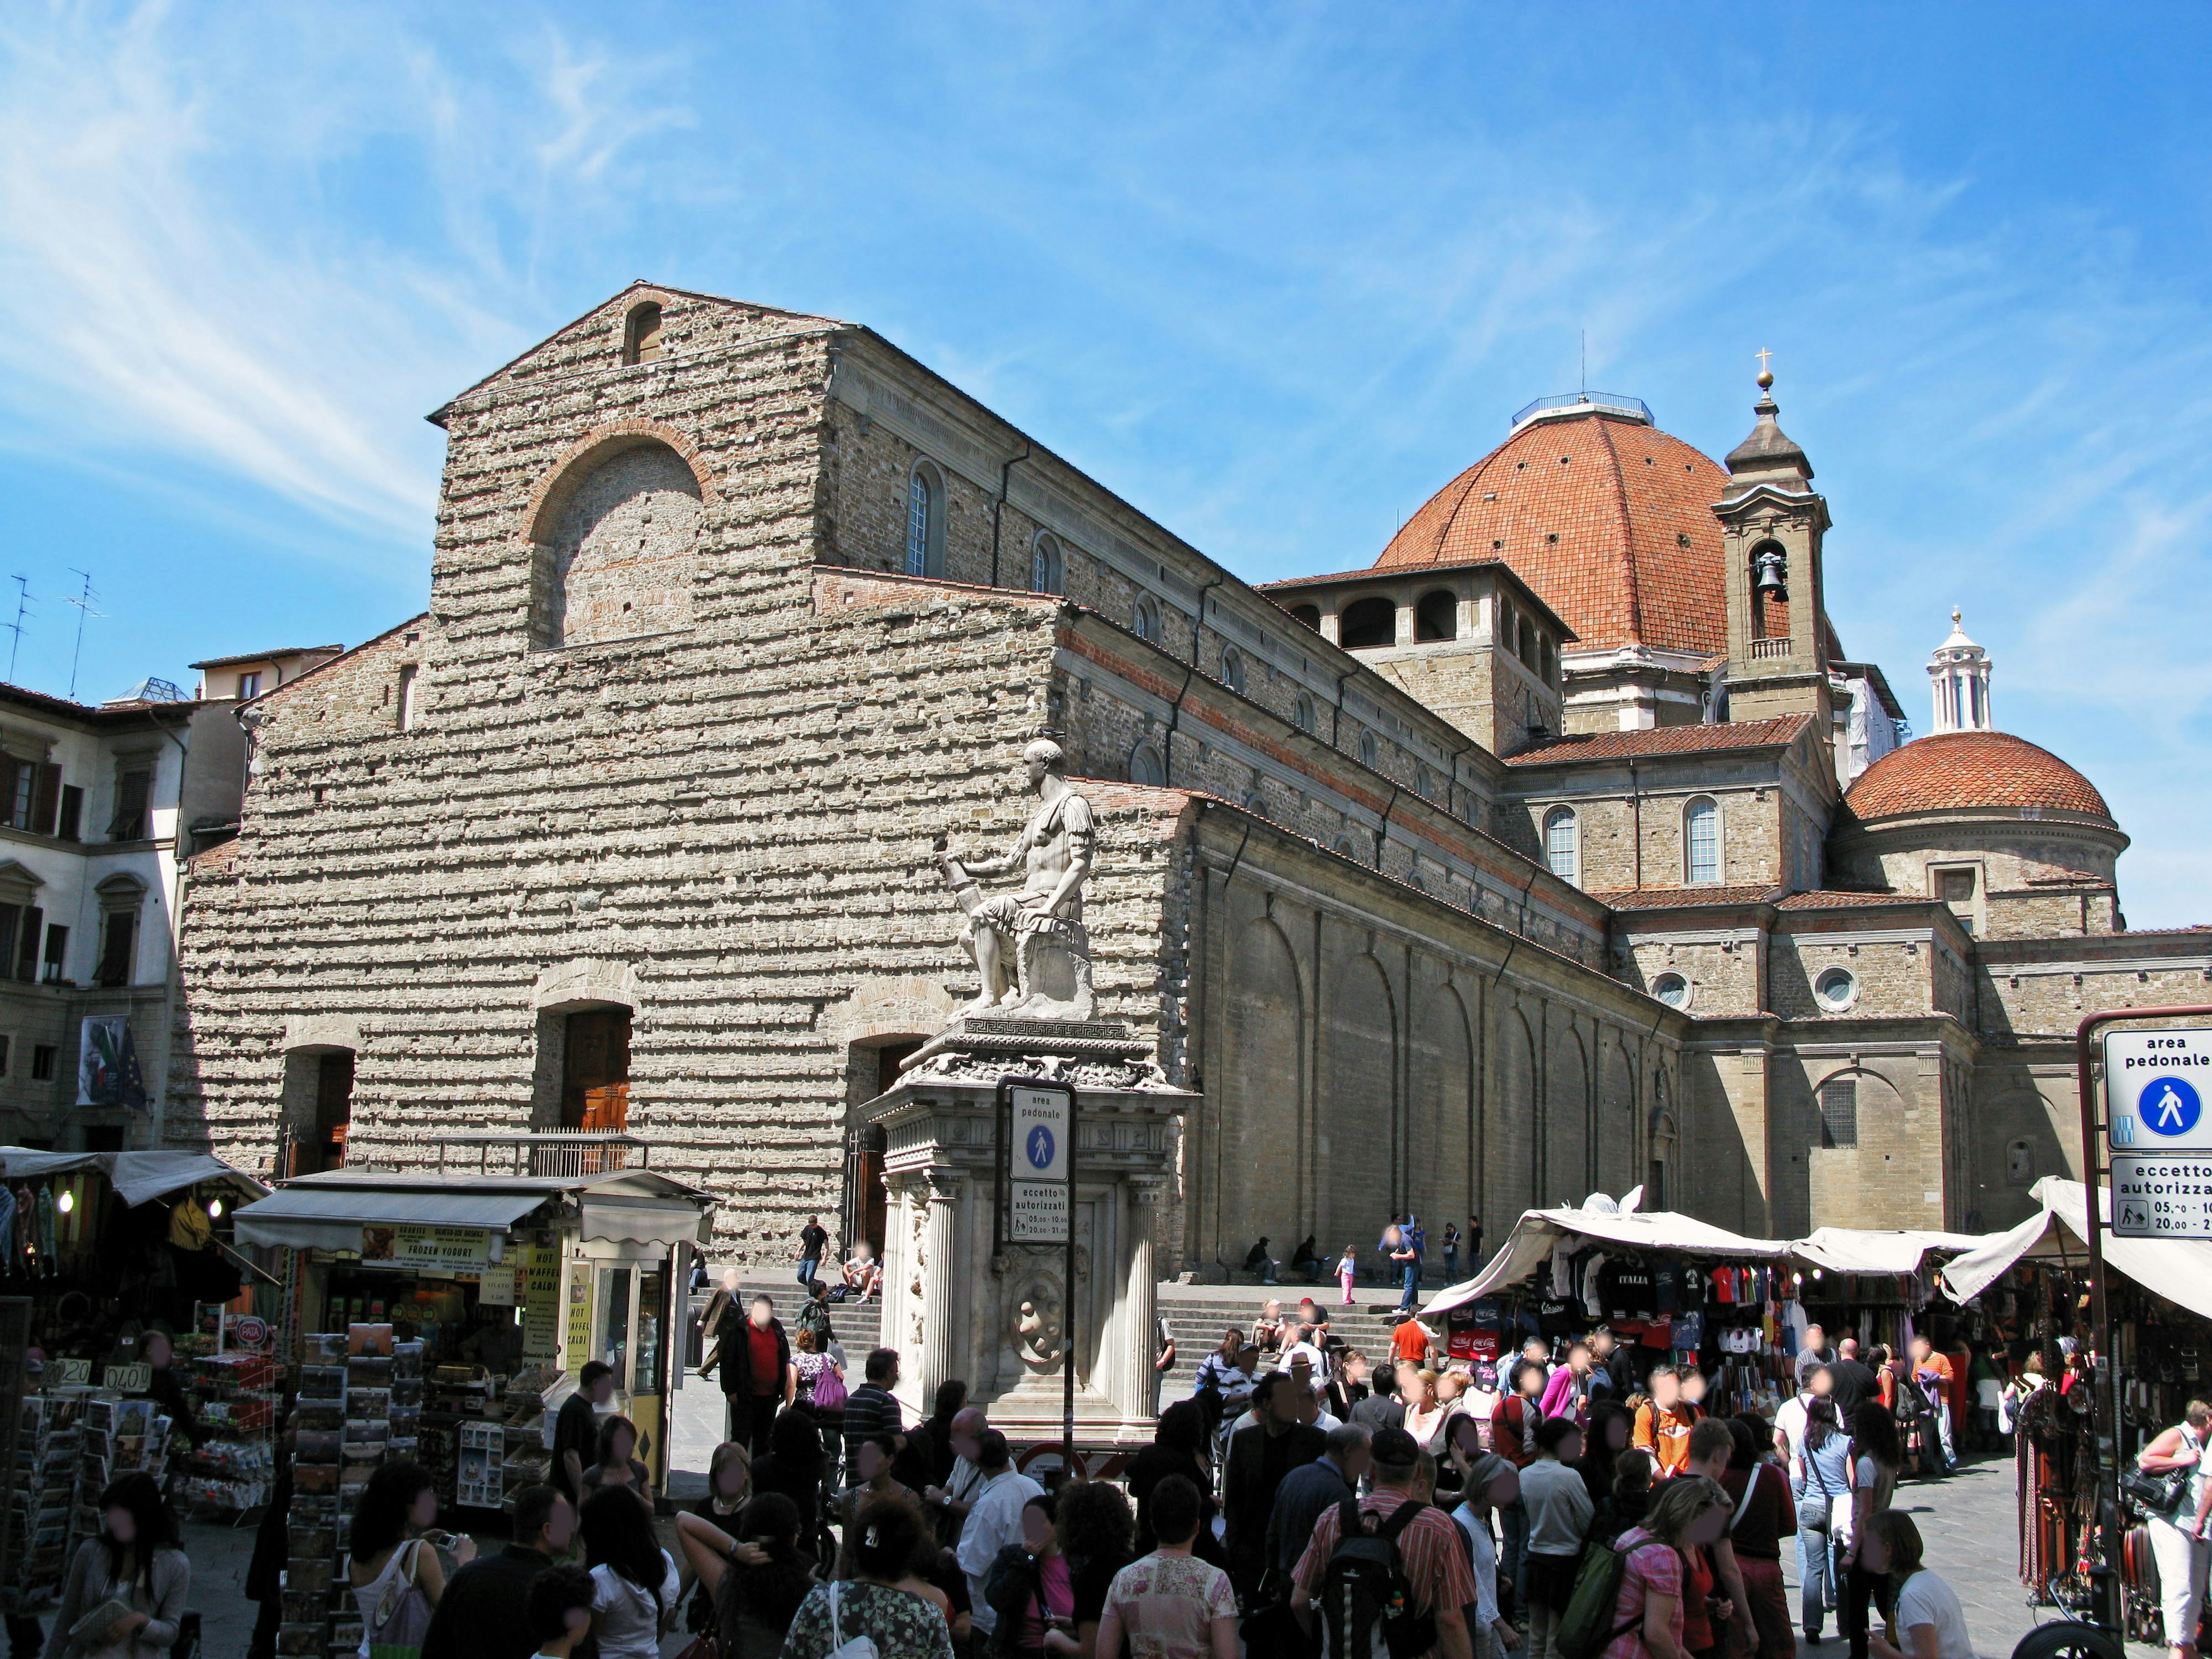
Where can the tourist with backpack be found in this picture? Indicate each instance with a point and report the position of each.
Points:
(1559, 1513)
(1387, 1573)
(1628, 1601)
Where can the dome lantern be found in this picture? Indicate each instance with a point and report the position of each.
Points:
(1959, 674)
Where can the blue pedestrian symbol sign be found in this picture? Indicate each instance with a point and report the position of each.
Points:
(1040, 1144)
(2168, 1106)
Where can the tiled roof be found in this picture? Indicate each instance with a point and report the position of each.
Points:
(1961, 770)
(1683, 898)
(1610, 520)
(1831, 899)
(1663, 740)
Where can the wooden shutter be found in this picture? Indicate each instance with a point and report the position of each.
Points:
(72, 818)
(15, 778)
(595, 1064)
(46, 797)
(119, 951)
(26, 944)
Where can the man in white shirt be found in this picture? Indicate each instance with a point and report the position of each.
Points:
(994, 1520)
(1790, 1417)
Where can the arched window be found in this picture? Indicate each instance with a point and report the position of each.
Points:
(1146, 619)
(1436, 617)
(1145, 767)
(1549, 659)
(1528, 646)
(641, 333)
(924, 522)
(1701, 842)
(1563, 843)
(1344, 847)
(1308, 613)
(1303, 715)
(1371, 753)
(1424, 782)
(1047, 572)
(1232, 669)
(1366, 624)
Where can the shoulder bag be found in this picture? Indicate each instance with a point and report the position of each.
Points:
(860, 1647)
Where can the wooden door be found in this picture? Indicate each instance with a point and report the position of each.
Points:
(323, 1147)
(595, 1071)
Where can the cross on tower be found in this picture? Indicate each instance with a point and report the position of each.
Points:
(1762, 354)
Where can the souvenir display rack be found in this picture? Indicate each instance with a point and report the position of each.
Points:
(49, 1442)
(228, 1474)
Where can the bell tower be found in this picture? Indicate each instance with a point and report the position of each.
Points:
(1771, 524)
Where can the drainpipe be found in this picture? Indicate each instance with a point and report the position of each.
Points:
(1175, 719)
(1000, 501)
(1336, 715)
(1198, 618)
(1383, 828)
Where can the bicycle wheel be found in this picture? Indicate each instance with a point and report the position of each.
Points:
(2066, 1639)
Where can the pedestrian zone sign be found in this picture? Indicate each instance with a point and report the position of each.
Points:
(1036, 1198)
(2155, 1083)
(2162, 1197)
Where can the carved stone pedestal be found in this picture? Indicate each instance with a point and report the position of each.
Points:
(952, 1306)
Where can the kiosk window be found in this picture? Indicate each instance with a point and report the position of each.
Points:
(614, 1322)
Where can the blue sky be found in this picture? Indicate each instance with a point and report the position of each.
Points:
(1274, 273)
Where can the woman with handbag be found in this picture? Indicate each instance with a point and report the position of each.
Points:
(2169, 1481)
(1820, 1479)
(754, 1580)
(901, 1623)
(397, 1582)
(1875, 1456)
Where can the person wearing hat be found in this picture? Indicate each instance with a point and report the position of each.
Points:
(1486, 1482)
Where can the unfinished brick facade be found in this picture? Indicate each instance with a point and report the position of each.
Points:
(720, 642)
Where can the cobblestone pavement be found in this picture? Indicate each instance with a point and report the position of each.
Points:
(1969, 1523)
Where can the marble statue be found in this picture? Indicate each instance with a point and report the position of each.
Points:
(1031, 947)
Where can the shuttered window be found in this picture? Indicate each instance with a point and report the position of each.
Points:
(1839, 1112)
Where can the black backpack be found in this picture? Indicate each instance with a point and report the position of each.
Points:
(1364, 1587)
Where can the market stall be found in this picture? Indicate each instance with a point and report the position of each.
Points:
(1671, 1288)
(2030, 1284)
(100, 1254)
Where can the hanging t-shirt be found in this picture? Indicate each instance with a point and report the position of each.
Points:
(1693, 1288)
(1666, 1287)
(1724, 1286)
(1594, 1285)
(1630, 1298)
(1556, 1314)
(1689, 1332)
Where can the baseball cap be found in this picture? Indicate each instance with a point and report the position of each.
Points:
(1395, 1448)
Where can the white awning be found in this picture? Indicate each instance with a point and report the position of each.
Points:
(1877, 1250)
(135, 1177)
(1533, 1236)
(2180, 1270)
(630, 1221)
(329, 1217)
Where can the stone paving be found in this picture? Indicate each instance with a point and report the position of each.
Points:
(1967, 1521)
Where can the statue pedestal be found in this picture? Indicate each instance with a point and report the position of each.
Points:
(952, 1306)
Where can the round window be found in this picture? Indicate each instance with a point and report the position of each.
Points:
(1672, 989)
(1838, 988)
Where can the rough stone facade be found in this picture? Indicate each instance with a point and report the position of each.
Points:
(673, 740)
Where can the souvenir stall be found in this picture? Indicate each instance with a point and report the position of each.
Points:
(1879, 1285)
(1671, 1288)
(2030, 1287)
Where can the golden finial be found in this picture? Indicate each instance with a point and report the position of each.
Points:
(1954, 616)
(1765, 374)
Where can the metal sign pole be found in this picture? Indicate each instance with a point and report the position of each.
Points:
(1067, 1313)
(2095, 1172)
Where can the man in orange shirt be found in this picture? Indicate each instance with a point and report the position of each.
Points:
(1664, 1423)
(1413, 1341)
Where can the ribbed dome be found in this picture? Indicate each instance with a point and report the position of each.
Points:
(1609, 519)
(1954, 771)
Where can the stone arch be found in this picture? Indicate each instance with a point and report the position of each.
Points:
(1360, 1048)
(1566, 1119)
(1510, 1126)
(1256, 1149)
(1439, 1100)
(1616, 1121)
(614, 543)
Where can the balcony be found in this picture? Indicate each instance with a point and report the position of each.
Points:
(1764, 649)
(557, 1154)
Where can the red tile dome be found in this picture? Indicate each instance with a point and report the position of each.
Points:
(1607, 518)
(1959, 771)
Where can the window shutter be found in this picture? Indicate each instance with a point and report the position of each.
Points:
(26, 944)
(11, 918)
(15, 792)
(118, 951)
(72, 824)
(46, 797)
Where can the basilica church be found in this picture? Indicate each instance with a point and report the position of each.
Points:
(1559, 846)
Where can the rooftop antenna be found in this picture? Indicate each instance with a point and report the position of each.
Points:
(83, 604)
(1585, 363)
(22, 610)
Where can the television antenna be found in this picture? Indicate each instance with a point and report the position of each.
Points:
(23, 610)
(83, 604)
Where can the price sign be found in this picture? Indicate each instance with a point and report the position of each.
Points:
(69, 1373)
(129, 1379)
(2162, 1197)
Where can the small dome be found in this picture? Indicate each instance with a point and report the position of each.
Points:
(1960, 771)
(1607, 518)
